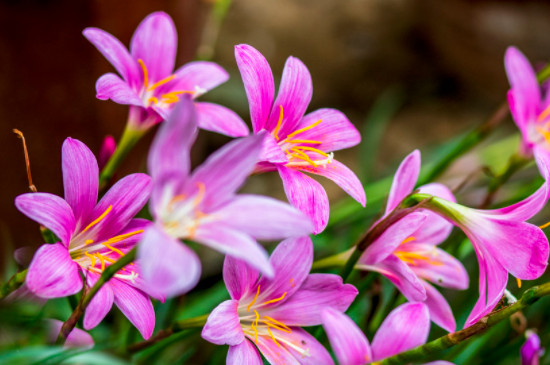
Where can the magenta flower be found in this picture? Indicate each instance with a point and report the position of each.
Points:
(269, 312)
(148, 83)
(504, 243)
(92, 235)
(531, 350)
(203, 206)
(407, 253)
(296, 143)
(530, 110)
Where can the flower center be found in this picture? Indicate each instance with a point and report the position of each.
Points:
(182, 215)
(416, 257)
(542, 127)
(301, 152)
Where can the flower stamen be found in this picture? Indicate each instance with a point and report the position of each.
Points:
(279, 123)
(253, 300)
(99, 219)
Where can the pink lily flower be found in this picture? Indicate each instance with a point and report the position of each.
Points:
(530, 109)
(503, 241)
(406, 327)
(269, 312)
(92, 235)
(407, 253)
(531, 350)
(202, 206)
(297, 143)
(149, 84)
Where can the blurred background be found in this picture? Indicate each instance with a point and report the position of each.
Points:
(409, 74)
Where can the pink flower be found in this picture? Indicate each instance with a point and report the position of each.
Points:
(531, 350)
(92, 235)
(269, 312)
(149, 84)
(297, 143)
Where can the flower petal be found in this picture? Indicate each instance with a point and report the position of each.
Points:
(264, 218)
(219, 119)
(110, 86)
(307, 195)
(169, 267)
(348, 342)
(317, 293)
(343, 177)
(435, 228)
(258, 83)
(404, 180)
(52, 273)
(50, 211)
(239, 277)
(80, 178)
(335, 132)
(100, 304)
(116, 53)
(198, 76)
(223, 326)
(76, 338)
(272, 152)
(531, 349)
(407, 326)
(136, 306)
(244, 353)
(155, 42)
(440, 311)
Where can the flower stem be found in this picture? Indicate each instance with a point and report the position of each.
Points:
(515, 163)
(88, 295)
(13, 283)
(432, 348)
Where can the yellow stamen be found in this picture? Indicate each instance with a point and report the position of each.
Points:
(409, 239)
(303, 156)
(313, 149)
(269, 324)
(255, 332)
(273, 338)
(200, 195)
(102, 259)
(91, 258)
(121, 237)
(161, 82)
(410, 258)
(303, 141)
(152, 100)
(283, 326)
(519, 282)
(113, 249)
(98, 219)
(278, 126)
(145, 73)
(253, 300)
(257, 317)
(87, 242)
(275, 300)
(313, 125)
(545, 113)
(544, 225)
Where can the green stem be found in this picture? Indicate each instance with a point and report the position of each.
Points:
(515, 164)
(432, 348)
(211, 31)
(107, 274)
(13, 284)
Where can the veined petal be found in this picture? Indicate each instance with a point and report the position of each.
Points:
(135, 305)
(523, 210)
(155, 42)
(348, 342)
(49, 210)
(440, 311)
(110, 86)
(404, 180)
(80, 178)
(219, 119)
(307, 195)
(275, 354)
(198, 76)
(317, 293)
(76, 338)
(335, 131)
(272, 152)
(100, 304)
(264, 218)
(52, 273)
(407, 326)
(169, 267)
(239, 277)
(235, 243)
(116, 53)
(223, 326)
(343, 177)
(244, 353)
(258, 83)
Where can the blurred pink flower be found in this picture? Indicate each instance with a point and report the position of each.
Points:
(531, 350)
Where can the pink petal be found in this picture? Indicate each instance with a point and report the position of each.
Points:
(391, 238)
(335, 132)
(219, 119)
(136, 306)
(223, 326)
(531, 350)
(294, 96)
(317, 293)
(275, 354)
(272, 152)
(100, 305)
(235, 243)
(239, 277)
(343, 177)
(307, 195)
(52, 273)
(110, 86)
(169, 267)
(155, 42)
(348, 342)
(440, 311)
(50, 211)
(523, 210)
(404, 180)
(108, 148)
(80, 178)
(76, 338)
(258, 83)
(199, 76)
(406, 327)
(244, 353)
(116, 53)
(264, 218)
(435, 228)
